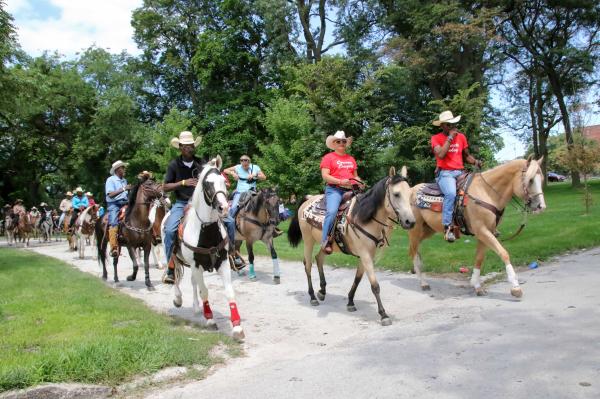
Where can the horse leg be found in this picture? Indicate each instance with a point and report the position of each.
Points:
(475, 278)
(359, 274)
(177, 300)
(147, 281)
(225, 272)
(415, 236)
(488, 239)
(250, 248)
(81, 246)
(367, 262)
(133, 256)
(115, 262)
(203, 291)
(308, 247)
(320, 258)
(194, 280)
(275, 259)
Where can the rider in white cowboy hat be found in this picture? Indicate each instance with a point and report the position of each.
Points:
(338, 169)
(65, 206)
(90, 198)
(116, 189)
(181, 177)
(449, 147)
(80, 203)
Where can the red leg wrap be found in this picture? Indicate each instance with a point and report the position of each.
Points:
(208, 314)
(235, 316)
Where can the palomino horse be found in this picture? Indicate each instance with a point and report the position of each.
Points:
(488, 195)
(24, 228)
(204, 245)
(135, 231)
(257, 222)
(368, 228)
(34, 219)
(68, 232)
(85, 227)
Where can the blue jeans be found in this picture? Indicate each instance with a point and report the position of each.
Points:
(113, 212)
(171, 226)
(333, 199)
(230, 221)
(446, 179)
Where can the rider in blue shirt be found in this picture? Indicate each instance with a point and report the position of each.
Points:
(80, 203)
(116, 189)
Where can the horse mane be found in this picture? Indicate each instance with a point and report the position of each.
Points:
(131, 200)
(372, 200)
(256, 203)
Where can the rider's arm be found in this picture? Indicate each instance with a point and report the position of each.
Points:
(470, 158)
(231, 172)
(261, 176)
(330, 179)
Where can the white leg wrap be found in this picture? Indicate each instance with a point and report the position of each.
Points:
(475, 280)
(276, 271)
(511, 276)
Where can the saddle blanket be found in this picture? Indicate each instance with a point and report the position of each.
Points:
(315, 212)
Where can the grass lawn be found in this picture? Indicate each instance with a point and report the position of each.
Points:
(562, 227)
(58, 324)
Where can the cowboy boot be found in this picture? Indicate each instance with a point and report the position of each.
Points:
(114, 243)
(449, 234)
(169, 277)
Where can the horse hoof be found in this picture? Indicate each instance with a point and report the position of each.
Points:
(116, 280)
(480, 291)
(252, 276)
(177, 302)
(314, 302)
(351, 308)
(517, 292)
(241, 273)
(426, 287)
(386, 321)
(130, 278)
(150, 287)
(277, 279)
(238, 333)
(320, 296)
(211, 323)
(104, 278)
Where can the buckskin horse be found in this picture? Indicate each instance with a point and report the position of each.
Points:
(486, 197)
(135, 230)
(256, 221)
(368, 228)
(203, 245)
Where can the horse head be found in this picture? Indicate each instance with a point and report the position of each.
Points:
(270, 201)
(213, 187)
(530, 189)
(398, 198)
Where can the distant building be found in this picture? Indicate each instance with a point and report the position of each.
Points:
(592, 133)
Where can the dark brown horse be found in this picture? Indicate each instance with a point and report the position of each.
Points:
(135, 230)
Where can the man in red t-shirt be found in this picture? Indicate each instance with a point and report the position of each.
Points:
(449, 147)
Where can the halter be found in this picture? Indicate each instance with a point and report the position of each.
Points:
(272, 221)
(209, 197)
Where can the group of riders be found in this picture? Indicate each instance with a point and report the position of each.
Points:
(338, 170)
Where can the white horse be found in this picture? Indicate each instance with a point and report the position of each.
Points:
(47, 227)
(85, 228)
(204, 246)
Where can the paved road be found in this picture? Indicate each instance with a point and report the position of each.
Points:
(545, 346)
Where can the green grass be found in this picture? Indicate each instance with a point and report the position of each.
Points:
(562, 227)
(61, 325)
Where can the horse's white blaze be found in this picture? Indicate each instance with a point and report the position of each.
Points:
(511, 276)
(475, 278)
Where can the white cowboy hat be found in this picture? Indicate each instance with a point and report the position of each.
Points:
(79, 190)
(339, 135)
(185, 138)
(69, 194)
(43, 204)
(88, 194)
(117, 165)
(33, 207)
(446, 117)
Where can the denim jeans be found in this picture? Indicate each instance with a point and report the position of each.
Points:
(171, 226)
(113, 212)
(333, 199)
(446, 179)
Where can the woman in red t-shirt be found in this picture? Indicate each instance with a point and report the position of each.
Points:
(338, 170)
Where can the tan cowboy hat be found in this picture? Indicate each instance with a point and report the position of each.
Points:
(88, 194)
(446, 117)
(43, 204)
(339, 135)
(117, 165)
(19, 201)
(186, 138)
(33, 207)
(79, 190)
(69, 194)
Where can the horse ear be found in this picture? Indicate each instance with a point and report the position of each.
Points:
(404, 172)
(392, 171)
(541, 160)
(529, 158)
(219, 162)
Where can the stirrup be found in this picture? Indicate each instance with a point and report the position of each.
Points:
(449, 234)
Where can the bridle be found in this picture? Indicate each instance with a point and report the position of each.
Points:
(150, 191)
(208, 189)
(272, 220)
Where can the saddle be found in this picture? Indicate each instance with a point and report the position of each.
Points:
(431, 197)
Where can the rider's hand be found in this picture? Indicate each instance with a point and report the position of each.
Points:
(345, 182)
(235, 176)
(127, 187)
(191, 182)
(453, 132)
(478, 163)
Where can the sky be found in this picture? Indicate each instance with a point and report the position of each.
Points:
(70, 26)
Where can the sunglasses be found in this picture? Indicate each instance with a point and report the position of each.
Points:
(244, 160)
(343, 141)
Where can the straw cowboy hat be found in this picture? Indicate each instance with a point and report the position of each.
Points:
(88, 194)
(79, 190)
(43, 204)
(339, 135)
(117, 165)
(19, 201)
(69, 194)
(185, 138)
(446, 117)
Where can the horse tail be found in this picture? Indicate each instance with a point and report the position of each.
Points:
(294, 233)
(100, 244)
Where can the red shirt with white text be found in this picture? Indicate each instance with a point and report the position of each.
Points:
(454, 157)
(340, 166)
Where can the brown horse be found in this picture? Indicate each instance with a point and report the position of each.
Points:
(257, 221)
(488, 195)
(24, 228)
(135, 231)
(368, 228)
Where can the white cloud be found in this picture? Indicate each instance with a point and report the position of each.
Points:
(81, 23)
